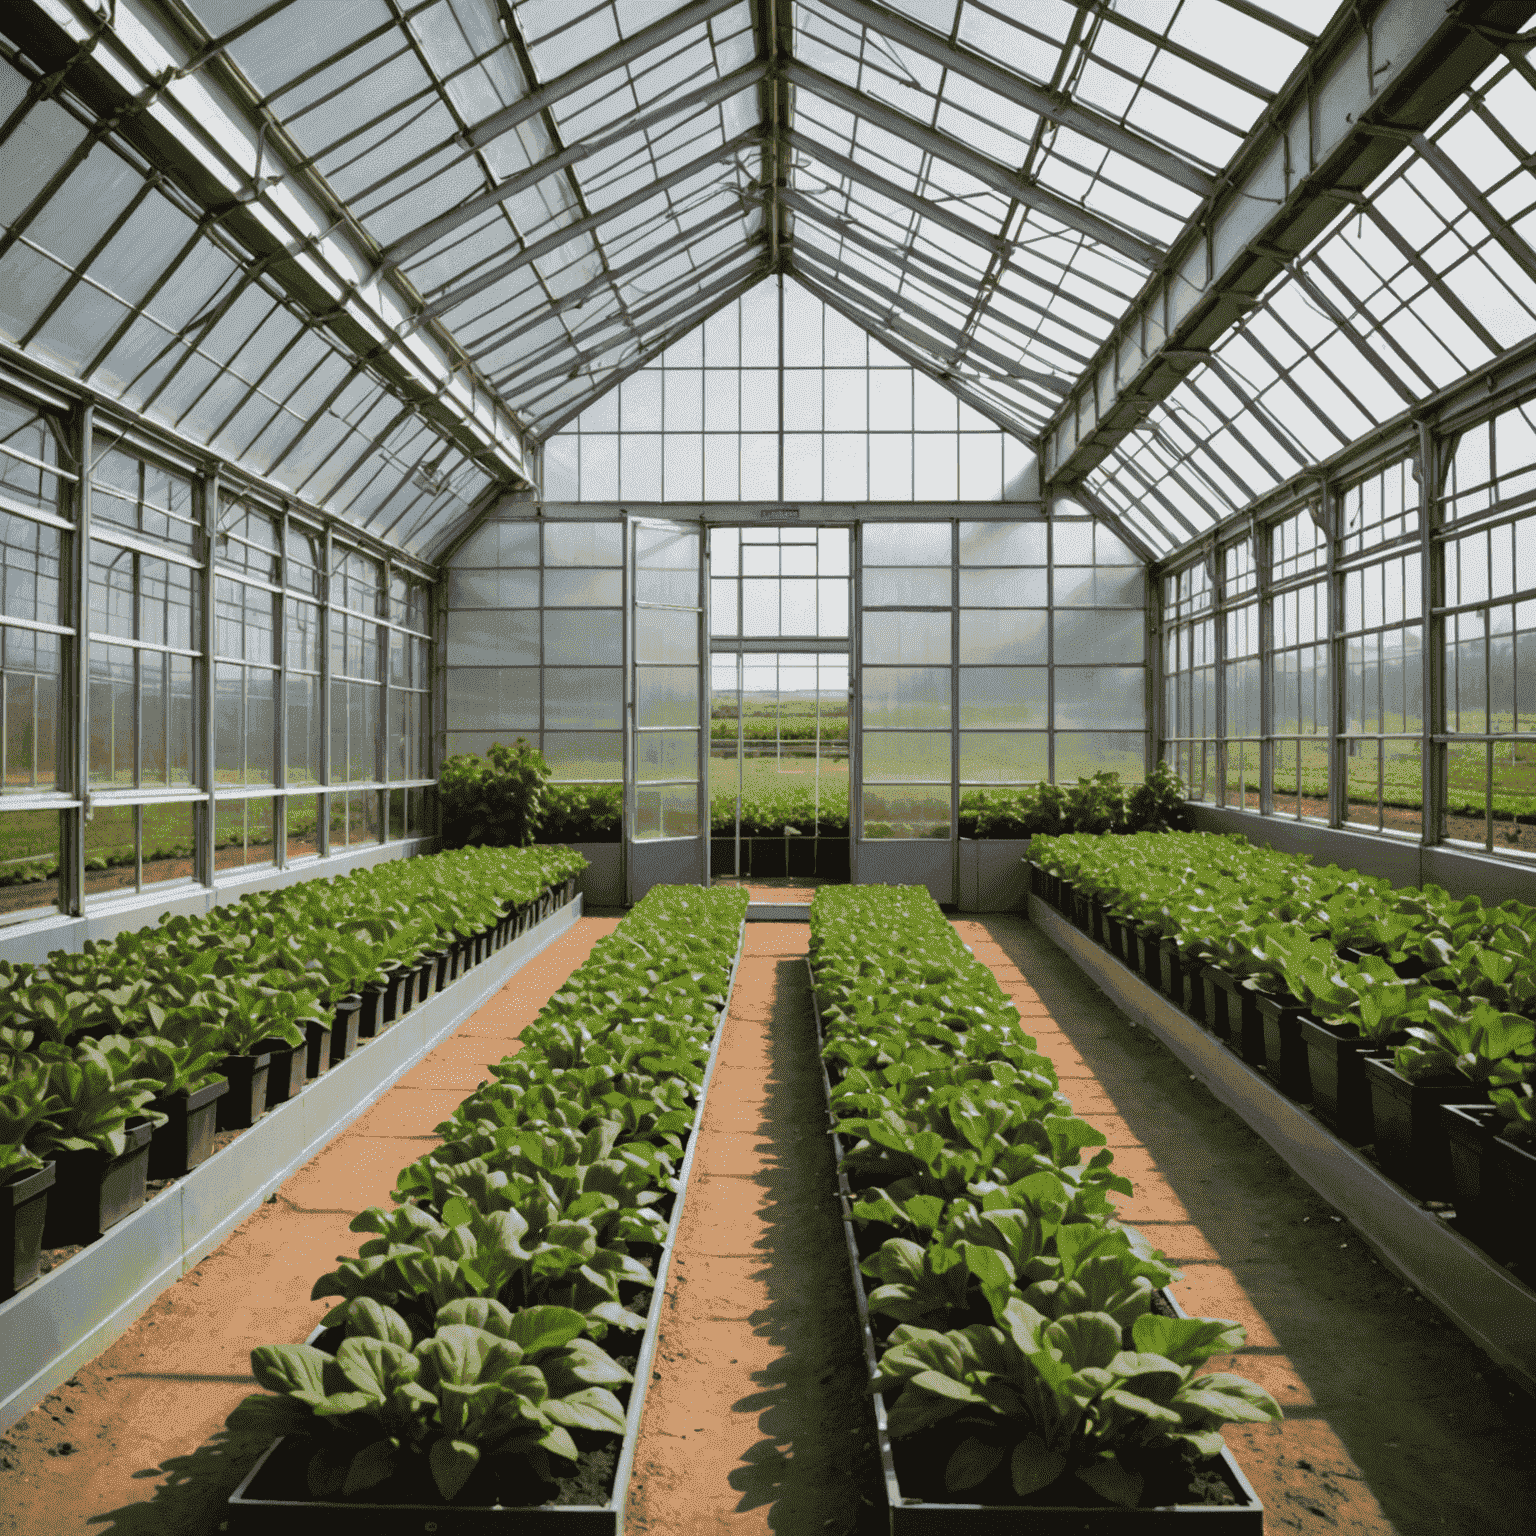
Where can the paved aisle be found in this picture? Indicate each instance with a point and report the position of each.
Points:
(134, 1445)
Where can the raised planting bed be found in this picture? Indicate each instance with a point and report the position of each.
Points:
(497, 1343)
(1373, 1004)
(1479, 1295)
(1016, 1336)
(71, 1314)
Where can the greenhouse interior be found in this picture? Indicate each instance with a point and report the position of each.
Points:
(970, 564)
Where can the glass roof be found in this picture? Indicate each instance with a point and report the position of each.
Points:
(458, 223)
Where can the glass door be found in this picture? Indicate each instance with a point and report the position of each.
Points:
(667, 811)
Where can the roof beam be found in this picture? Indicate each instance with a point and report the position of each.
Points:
(1044, 386)
(851, 170)
(1382, 63)
(626, 51)
(1058, 106)
(678, 314)
(572, 411)
(213, 139)
(716, 91)
(568, 232)
(910, 354)
(991, 173)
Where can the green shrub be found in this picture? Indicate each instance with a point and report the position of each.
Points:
(493, 801)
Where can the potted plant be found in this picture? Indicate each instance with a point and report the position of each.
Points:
(188, 1088)
(1433, 1067)
(25, 1178)
(98, 1134)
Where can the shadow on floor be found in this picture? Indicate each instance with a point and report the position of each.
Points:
(816, 1466)
(190, 1499)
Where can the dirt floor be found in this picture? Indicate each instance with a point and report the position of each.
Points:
(756, 1418)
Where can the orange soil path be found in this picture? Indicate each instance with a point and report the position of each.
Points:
(135, 1444)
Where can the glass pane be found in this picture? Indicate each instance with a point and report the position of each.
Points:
(1022, 588)
(581, 757)
(303, 827)
(583, 698)
(723, 617)
(1514, 795)
(1100, 635)
(906, 696)
(666, 696)
(1081, 753)
(667, 755)
(666, 549)
(910, 639)
(32, 676)
(1004, 636)
(112, 724)
(1002, 757)
(29, 852)
(583, 639)
(494, 698)
(907, 544)
(1100, 696)
(899, 811)
(169, 836)
(303, 730)
(666, 811)
(906, 587)
(583, 589)
(493, 589)
(493, 638)
(1117, 587)
(111, 840)
(1008, 696)
(583, 544)
(906, 757)
(662, 635)
(1002, 543)
(676, 589)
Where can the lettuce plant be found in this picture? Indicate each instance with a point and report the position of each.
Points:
(1065, 1398)
(482, 1381)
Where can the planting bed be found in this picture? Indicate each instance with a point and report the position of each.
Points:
(482, 1356)
(88, 1294)
(1029, 1373)
(1299, 1104)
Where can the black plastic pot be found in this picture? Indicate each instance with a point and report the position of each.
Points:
(447, 965)
(1149, 955)
(186, 1138)
(1515, 1170)
(1336, 1070)
(1469, 1132)
(1410, 1135)
(392, 1003)
(424, 982)
(23, 1212)
(344, 1032)
(1285, 1052)
(317, 1048)
(1171, 976)
(93, 1190)
(371, 1009)
(1096, 921)
(288, 1071)
(1245, 1027)
(1194, 989)
(246, 1100)
(1217, 998)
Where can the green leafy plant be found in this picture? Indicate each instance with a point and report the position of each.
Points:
(495, 800)
(484, 1381)
(96, 1098)
(1065, 1398)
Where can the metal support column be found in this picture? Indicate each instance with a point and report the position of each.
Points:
(323, 801)
(280, 766)
(385, 648)
(1430, 465)
(1263, 541)
(1338, 768)
(206, 723)
(77, 677)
